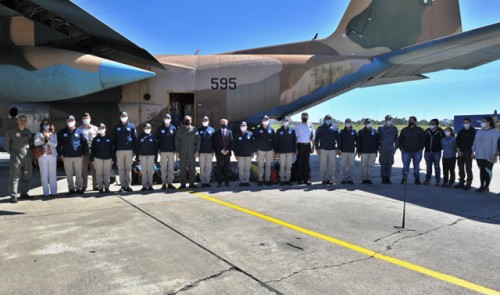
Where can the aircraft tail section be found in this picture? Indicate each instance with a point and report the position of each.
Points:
(372, 27)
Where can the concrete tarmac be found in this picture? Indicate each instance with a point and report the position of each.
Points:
(306, 240)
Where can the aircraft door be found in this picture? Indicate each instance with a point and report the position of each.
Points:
(182, 104)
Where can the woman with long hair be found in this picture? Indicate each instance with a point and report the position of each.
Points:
(485, 151)
(47, 138)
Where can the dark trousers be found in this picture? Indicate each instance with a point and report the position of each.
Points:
(223, 167)
(486, 172)
(449, 170)
(303, 168)
(432, 159)
(465, 166)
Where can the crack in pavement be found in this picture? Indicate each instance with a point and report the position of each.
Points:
(322, 267)
(196, 283)
(389, 247)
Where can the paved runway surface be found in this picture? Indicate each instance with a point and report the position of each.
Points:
(299, 240)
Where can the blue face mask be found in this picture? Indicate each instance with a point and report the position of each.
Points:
(328, 122)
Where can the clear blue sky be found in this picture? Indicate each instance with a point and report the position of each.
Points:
(182, 27)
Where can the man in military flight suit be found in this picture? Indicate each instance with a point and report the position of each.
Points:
(187, 143)
(17, 143)
(388, 137)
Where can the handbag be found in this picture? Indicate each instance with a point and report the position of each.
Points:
(37, 151)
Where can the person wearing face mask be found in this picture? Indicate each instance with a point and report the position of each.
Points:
(125, 144)
(206, 151)
(485, 149)
(388, 136)
(411, 144)
(244, 147)
(347, 150)
(165, 137)
(284, 147)
(449, 145)
(16, 143)
(465, 140)
(90, 131)
(264, 143)
(433, 148)
(305, 147)
(326, 142)
(223, 146)
(72, 146)
(187, 143)
(102, 153)
(48, 161)
(368, 146)
(147, 150)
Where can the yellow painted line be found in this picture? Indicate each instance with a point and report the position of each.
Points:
(368, 252)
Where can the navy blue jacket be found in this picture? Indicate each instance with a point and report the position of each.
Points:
(368, 141)
(147, 145)
(327, 138)
(125, 137)
(71, 144)
(348, 140)
(207, 142)
(166, 138)
(264, 138)
(244, 145)
(285, 141)
(102, 148)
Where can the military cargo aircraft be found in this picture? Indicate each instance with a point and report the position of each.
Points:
(56, 59)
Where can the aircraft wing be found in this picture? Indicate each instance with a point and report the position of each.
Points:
(63, 24)
(461, 51)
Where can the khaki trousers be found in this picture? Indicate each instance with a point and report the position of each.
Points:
(206, 167)
(367, 163)
(347, 165)
(167, 162)
(73, 168)
(103, 172)
(286, 166)
(266, 157)
(244, 166)
(124, 163)
(327, 164)
(147, 163)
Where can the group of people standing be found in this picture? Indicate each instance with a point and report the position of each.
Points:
(90, 146)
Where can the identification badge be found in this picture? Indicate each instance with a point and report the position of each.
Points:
(262, 131)
(18, 135)
(119, 129)
(241, 138)
(163, 131)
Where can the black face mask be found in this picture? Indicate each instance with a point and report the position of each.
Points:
(187, 122)
(304, 120)
(223, 126)
(411, 123)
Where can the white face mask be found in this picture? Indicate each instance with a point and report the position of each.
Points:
(102, 131)
(205, 124)
(86, 121)
(368, 126)
(466, 126)
(243, 129)
(71, 124)
(483, 124)
(147, 131)
(348, 125)
(265, 123)
(447, 133)
(167, 121)
(432, 126)
(124, 119)
(286, 123)
(46, 127)
(388, 123)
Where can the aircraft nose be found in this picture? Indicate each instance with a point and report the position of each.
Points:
(114, 74)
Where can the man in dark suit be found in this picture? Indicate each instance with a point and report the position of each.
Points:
(223, 145)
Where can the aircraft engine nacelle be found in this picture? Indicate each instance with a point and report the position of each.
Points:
(35, 74)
